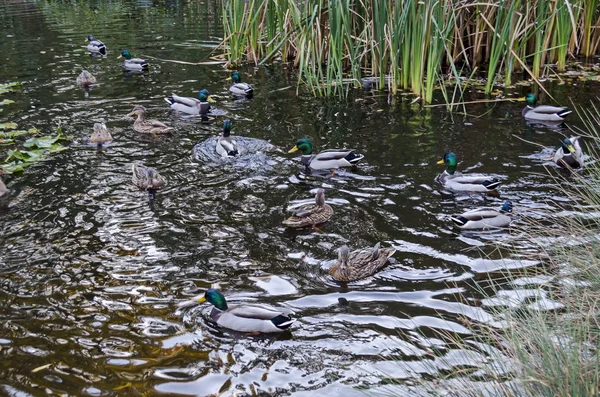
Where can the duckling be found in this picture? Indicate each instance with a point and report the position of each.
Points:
(226, 145)
(359, 264)
(484, 218)
(238, 88)
(85, 79)
(100, 135)
(147, 126)
(133, 64)
(543, 112)
(458, 182)
(191, 106)
(327, 159)
(569, 155)
(311, 214)
(146, 178)
(95, 46)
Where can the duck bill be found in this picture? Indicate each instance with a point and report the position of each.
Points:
(210, 99)
(571, 148)
(294, 149)
(201, 299)
(130, 114)
(440, 162)
(120, 56)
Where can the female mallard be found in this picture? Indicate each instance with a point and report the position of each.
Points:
(100, 135)
(95, 46)
(85, 79)
(246, 318)
(484, 218)
(147, 126)
(238, 88)
(133, 64)
(190, 105)
(569, 155)
(226, 145)
(359, 264)
(146, 178)
(465, 183)
(311, 214)
(327, 159)
(543, 112)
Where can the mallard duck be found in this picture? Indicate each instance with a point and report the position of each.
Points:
(85, 79)
(359, 264)
(569, 155)
(543, 112)
(246, 318)
(484, 218)
(238, 88)
(311, 214)
(95, 46)
(190, 105)
(147, 126)
(146, 178)
(327, 159)
(3, 189)
(226, 145)
(100, 135)
(465, 183)
(133, 64)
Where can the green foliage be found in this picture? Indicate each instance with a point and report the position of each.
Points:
(34, 149)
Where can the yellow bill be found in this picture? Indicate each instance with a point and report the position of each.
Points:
(201, 299)
(120, 56)
(440, 162)
(294, 149)
(210, 99)
(571, 148)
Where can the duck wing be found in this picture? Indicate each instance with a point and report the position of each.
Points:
(185, 100)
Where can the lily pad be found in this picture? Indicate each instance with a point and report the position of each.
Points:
(8, 125)
(6, 102)
(8, 87)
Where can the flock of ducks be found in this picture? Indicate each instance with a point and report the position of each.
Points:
(350, 265)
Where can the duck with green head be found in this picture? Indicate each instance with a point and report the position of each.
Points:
(238, 88)
(226, 145)
(246, 318)
(95, 46)
(311, 214)
(459, 182)
(485, 218)
(543, 112)
(569, 155)
(330, 159)
(359, 264)
(133, 64)
(189, 105)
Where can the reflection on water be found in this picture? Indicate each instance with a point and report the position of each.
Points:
(92, 268)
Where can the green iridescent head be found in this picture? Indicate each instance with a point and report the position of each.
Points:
(531, 99)
(451, 161)
(216, 298)
(126, 54)
(567, 146)
(226, 127)
(303, 145)
(203, 95)
(235, 76)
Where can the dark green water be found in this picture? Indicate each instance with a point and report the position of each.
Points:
(91, 271)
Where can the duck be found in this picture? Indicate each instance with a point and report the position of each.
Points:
(144, 126)
(569, 155)
(100, 135)
(133, 64)
(543, 112)
(95, 46)
(226, 145)
(485, 218)
(311, 214)
(327, 159)
(3, 189)
(191, 106)
(246, 318)
(465, 183)
(146, 178)
(238, 88)
(85, 79)
(359, 264)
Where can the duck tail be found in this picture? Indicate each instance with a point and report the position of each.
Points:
(102, 50)
(145, 65)
(459, 220)
(563, 113)
(282, 322)
(170, 100)
(233, 153)
(354, 158)
(492, 183)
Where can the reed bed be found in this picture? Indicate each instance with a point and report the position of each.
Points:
(414, 45)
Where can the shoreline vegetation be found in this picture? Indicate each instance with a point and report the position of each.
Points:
(414, 45)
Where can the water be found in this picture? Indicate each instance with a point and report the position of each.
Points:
(92, 269)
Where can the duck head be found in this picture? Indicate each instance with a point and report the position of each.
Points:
(531, 99)
(139, 110)
(303, 145)
(226, 128)
(90, 37)
(507, 206)
(567, 146)
(235, 76)
(343, 254)
(204, 96)
(320, 197)
(214, 297)
(451, 161)
(125, 54)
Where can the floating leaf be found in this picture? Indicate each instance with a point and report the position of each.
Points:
(6, 102)
(8, 125)
(7, 87)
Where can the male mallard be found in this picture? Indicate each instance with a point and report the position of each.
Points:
(133, 64)
(543, 112)
(146, 178)
(85, 79)
(100, 135)
(95, 46)
(359, 264)
(147, 126)
(327, 159)
(569, 155)
(311, 214)
(246, 318)
(190, 105)
(484, 218)
(238, 88)
(468, 183)
(226, 145)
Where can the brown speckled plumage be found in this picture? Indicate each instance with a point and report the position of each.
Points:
(359, 264)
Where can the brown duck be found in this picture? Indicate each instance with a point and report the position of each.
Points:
(311, 214)
(359, 264)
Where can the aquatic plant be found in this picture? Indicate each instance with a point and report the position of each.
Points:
(33, 150)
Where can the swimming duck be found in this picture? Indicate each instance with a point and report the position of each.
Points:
(85, 79)
(95, 46)
(133, 64)
(311, 214)
(484, 218)
(100, 135)
(238, 88)
(3, 189)
(569, 155)
(226, 145)
(246, 318)
(147, 126)
(359, 264)
(468, 183)
(543, 112)
(327, 159)
(190, 105)
(146, 178)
